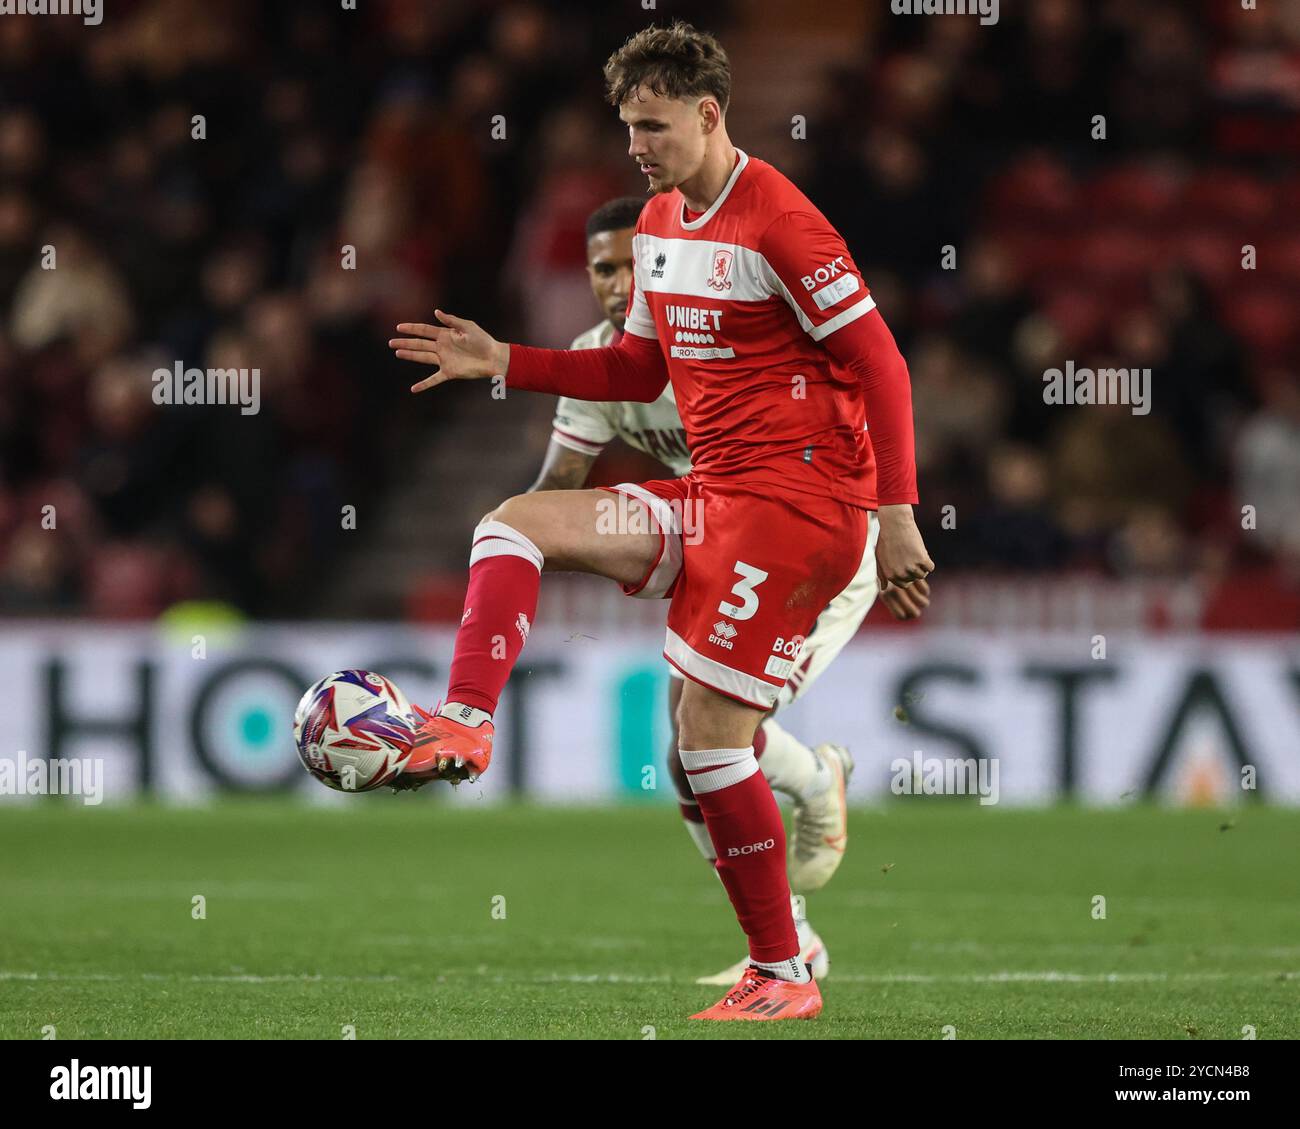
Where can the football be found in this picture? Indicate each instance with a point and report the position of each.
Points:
(353, 730)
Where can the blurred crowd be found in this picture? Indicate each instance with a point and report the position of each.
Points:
(1170, 243)
(351, 169)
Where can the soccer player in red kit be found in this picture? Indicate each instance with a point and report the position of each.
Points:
(748, 300)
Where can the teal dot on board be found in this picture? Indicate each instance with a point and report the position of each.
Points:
(256, 725)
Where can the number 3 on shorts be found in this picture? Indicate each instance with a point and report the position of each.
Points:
(750, 578)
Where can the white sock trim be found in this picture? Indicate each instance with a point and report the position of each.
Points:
(466, 715)
(725, 767)
(497, 539)
(791, 969)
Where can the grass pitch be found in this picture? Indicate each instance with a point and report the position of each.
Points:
(402, 918)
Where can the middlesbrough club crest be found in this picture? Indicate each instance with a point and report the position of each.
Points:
(721, 278)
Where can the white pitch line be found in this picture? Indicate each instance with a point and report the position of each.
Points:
(1044, 976)
(1094, 949)
(1051, 976)
(161, 891)
(1034, 977)
(174, 977)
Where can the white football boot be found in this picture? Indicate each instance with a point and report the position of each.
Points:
(819, 827)
(812, 950)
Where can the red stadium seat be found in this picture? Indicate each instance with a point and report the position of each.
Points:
(1146, 193)
(1110, 254)
(1039, 188)
(1286, 199)
(1265, 316)
(1211, 253)
(1230, 197)
(438, 598)
(1079, 314)
(128, 582)
(1046, 260)
(1279, 259)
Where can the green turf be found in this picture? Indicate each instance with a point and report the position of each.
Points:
(380, 915)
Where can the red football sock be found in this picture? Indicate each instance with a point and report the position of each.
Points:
(505, 573)
(744, 823)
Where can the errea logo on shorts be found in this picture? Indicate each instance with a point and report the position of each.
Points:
(751, 848)
(723, 634)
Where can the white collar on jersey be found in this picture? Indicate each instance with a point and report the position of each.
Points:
(695, 225)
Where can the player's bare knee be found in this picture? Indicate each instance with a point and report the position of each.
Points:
(507, 510)
(710, 720)
(523, 517)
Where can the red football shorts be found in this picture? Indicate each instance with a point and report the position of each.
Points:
(748, 574)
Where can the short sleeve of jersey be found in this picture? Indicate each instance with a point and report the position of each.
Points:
(639, 319)
(808, 263)
(583, 426)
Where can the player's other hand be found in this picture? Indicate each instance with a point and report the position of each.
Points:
(906, 603)
(901, 558)
(461, 350)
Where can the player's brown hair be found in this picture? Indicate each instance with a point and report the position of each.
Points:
(674, 62)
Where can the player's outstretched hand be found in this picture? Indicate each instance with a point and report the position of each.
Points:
(461, 349)
(900, 553)
(906, 603)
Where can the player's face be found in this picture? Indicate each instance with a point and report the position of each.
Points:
(609, 266)
(668, 137)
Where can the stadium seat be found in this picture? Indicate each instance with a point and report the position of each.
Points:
(129, 581)
(1110, 254)
(1265, 316)
(1038, 188)
(1209, 252)
(1232, 197)
(1079, 313)
(1146, 193)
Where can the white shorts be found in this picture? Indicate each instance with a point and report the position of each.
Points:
(836, 625)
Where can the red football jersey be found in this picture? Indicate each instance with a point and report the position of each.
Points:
(741, 300)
